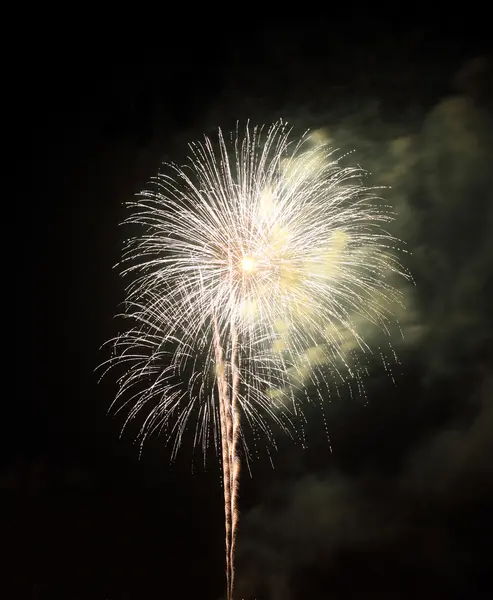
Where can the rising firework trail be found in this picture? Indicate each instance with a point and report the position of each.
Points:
(251, 273)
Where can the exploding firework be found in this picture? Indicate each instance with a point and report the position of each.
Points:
(251, 274)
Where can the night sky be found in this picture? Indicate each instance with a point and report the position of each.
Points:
(398, 505)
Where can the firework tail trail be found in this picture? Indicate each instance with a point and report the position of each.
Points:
(229, 420)
(223, 411)
(234, 459)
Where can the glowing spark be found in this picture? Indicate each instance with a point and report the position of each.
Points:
(254, 272)
(248, 264)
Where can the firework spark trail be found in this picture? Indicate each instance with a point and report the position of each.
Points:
(229, 419)
(235, 462)
(256, 266)
(225, 424)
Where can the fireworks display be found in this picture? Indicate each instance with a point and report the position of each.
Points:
(254, 272)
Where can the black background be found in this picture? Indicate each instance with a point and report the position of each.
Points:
(83, 517)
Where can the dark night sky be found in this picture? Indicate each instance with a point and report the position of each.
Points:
(401, 508)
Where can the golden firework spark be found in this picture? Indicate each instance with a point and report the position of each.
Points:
(257, 262)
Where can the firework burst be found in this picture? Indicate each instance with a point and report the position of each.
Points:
(251, 273)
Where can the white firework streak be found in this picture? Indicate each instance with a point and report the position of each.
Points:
(254, 266)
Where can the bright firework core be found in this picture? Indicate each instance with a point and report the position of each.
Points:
(248, 264)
